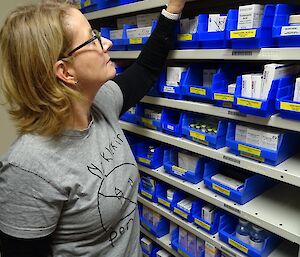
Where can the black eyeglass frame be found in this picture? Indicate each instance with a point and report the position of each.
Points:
(97, 35)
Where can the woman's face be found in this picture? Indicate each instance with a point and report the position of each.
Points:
(91, 64)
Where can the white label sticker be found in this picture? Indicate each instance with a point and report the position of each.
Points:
(170, 127)
(290, 30)
(168, 89)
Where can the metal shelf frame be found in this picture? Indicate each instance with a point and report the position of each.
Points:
(284, 222)
(287, 171)
(286, 249)
(206, 108)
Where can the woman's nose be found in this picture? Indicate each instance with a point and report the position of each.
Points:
(107, 44)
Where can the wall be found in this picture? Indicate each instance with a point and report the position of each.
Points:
(7, 130)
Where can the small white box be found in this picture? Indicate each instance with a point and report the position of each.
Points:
(139, 32)
(147, 244)
(240, 133)
(231, 88)
(250, 16)
(132, 110)
(200, 246)
(296, 97)
(253, 136)
(156, 219)
(192, 244)
(174, 75)
(151, 216)
(145, 20)
(216, 22)
(147, 213)
(228, 181)
(193, 25)
(222, 22)
(208, 75)
(186, 204)
(256, 85)
(208, 213)
(294, 19)
(116, 34)
(270, 140)
(185, 26)
(163, 253)
(170, 194)
(126, 20)
(187, 161)
(183, 238)
(247, 85)
(210, 250)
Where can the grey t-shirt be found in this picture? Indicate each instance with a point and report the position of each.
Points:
(82, 188)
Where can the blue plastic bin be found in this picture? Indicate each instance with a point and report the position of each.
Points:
(129, 117)
(258, 107)
(253, 38)
(284, 102)
(184, 252)
(92, 5)
(160, 230)
(284, 34)
(214, 40)
(141, 153)
(287, 146)
(189, 40)
(227, 235)
(254, 184)
(133, 141)
(171, 167)
(162, 199)
(148, 122)
(172, 122)
(148, 194)
(153, 252)
(216, 141)
(196, 208)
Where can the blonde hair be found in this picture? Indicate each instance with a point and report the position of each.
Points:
(32, 40)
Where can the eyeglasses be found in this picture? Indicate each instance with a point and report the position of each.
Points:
(96, 35)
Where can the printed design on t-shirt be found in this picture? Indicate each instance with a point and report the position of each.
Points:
(111, 194)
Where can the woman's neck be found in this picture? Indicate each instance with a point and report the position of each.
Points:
(81, 116)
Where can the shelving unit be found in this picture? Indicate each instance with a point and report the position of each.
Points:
(277, 210)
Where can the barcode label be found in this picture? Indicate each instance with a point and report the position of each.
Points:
(228, 253)
(233, 113)
(231, 159)
(231, 208)
(242, 53)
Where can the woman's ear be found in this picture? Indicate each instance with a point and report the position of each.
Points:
(65, 73)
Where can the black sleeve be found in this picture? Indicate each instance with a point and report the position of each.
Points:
(16, 247)
(136, 81)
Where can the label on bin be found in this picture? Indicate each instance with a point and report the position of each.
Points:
(168, 89)
(290, 106)
(145, 255)
(243, 33)
(224, 97)
(197, 135)
(181, 213)
(178, 170)
(251, 156)
(134, 41)
(290, 31)
(200, 141)
(249, 103)
(144, 160)
(182, 253)
(87, 3)
(144, 193)
(248, 149)
(146, 226)
(197, 91)
(183, 37)
(238, 245)
(170, 127)
(164, 202)
(227, 105)
(221, 189)
(202, 224)
(147, 121)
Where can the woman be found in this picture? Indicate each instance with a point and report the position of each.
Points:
(68, 185)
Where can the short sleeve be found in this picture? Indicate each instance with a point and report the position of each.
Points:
(30, 205)
(109, 99)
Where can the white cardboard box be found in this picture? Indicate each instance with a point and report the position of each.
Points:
(145, 20)
(250, 16)
(116, 34)
(296, 97)
(210, 250)
(253, 136)
(187, 161)
(240, 133)
(147, 244)
(228, 181)
(183, 238)
(174, 75)
(192, 244)
(247, 85)
(208, 75)
(185, 26)
(139, 32)
(256, 85)
(208, 213)
(231, 88)
(270, 140)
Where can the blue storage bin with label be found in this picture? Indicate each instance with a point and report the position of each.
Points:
(150, 116)
(172, 122)
(92, 5)
(148, 187)
(195, 251)
(133, 141)
(212, 131)
(160, 230)
(285, 34)
(288, 108)
(288, 143)
(253, 38)
(201, 82)
(171, 201)
(252, 184)
(137, 43)
(185, 213)
(218, 39)
(227, 235)
(149, 153)
(155, 249)
(171, 91)
(130, 115)
(259, 107)
(155, 90)
(188, 40)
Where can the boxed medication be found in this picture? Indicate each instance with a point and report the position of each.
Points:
(183, 238)
(152, 113)
(250, 16)
(208, 213)
(231, 88)
(116, 34)
(216, 22)
(145, 20)
(200, 246)
(247, 85)
(174, 75)
(156, 219)
(228, 181)
(147, 244)
(186, 204)
(270, 140)
(187, 160)
(240, 133)
(253, 136)
(170, 194)
(185, 26)
(210, 250)
(126, 20)
(256, 85)
(296, 97)
(163, 253)
(139, 32)
(192, 244)
(193, 25)
(208, 75)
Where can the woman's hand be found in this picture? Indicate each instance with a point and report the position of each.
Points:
(176, 6)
